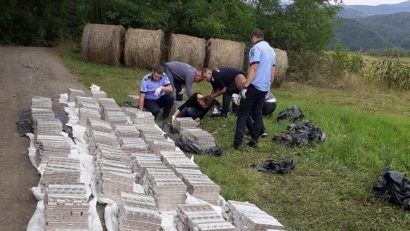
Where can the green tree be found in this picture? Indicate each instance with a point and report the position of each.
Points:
(303, 25)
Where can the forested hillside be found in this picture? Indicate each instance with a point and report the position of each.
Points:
(375, 32)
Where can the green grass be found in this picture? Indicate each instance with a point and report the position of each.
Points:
(331, 186)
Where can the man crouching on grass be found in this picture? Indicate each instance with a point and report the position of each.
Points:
(155, 89)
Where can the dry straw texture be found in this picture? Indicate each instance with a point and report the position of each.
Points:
(103, 43)
(143, 48)
(187, 49)
(281, 66)
(224, 53)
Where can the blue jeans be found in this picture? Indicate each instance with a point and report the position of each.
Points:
(154, 106)
(189, 112)
(176, 84)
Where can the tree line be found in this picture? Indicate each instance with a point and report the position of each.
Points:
(298, 25)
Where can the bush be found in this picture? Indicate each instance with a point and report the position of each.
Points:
(323, 66)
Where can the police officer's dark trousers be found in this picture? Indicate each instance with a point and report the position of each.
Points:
(166, 101)
(227, 97)
(251, 106)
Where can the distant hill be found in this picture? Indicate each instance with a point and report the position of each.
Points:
(374, 32)
(382, 9)
(347, 12)
(355, 36)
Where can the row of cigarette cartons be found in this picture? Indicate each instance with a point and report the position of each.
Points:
(88, 108)
(248, 217)
(132, 144)
(138, 212)
(51, 145)
(111, 112)
(113, 165)
(96, 95)
(133, 100)
(126, 130)
(66, 207)
(41, 108)
(84, 100)
(139, 117)
(167, 189)
(47, 126)
(198, 184)
(201, 139)
(74, 93)
(142, 161)
(200, 217)
(181, 123)
(61, 170)
(88, 112)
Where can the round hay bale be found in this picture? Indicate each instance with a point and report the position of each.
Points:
(143, 48)
(187, 49)
(281, 67)
(224, 53)
(103, 43)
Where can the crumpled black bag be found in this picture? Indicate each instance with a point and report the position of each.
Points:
(275, 167)
(25, 123)
(394, 187)
(294, 113)
(188, 147)
(301, 134)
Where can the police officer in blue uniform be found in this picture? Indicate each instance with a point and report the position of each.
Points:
(261, 72)
(155, 89)
(223, 83)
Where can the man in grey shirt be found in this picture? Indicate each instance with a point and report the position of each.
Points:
(180, 74)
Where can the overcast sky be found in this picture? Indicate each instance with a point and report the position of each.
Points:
(371, 2)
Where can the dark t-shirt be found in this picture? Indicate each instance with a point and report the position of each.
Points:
(193, 102)
(224, 77)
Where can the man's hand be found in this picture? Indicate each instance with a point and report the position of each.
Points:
(158, 91)
(198, 121)
(243, 93)
(173, 120)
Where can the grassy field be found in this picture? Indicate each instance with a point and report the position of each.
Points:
(331, 187)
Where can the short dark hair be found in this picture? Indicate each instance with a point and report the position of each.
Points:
(205, 69)
(158, 69)
(258, 33)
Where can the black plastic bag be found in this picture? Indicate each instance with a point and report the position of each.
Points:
(25, 123)
(294, 113)
(275, 167)
(301, 134)
(394, 187)
(188, 147)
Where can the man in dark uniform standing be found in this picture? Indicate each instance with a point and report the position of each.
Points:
(261, 73)
(223, 83)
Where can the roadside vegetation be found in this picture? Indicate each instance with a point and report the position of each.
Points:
(331, 187)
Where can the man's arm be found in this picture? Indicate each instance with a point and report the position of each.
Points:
(216, 93)
(251, 74)
(167, 89)
(272, 75)
(141, 103)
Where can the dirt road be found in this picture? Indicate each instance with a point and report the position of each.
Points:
(24, 72)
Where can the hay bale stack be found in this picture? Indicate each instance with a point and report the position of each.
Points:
(187, 49)
(281, 66)
(143, 48)
(224, 53)
(103, 43)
